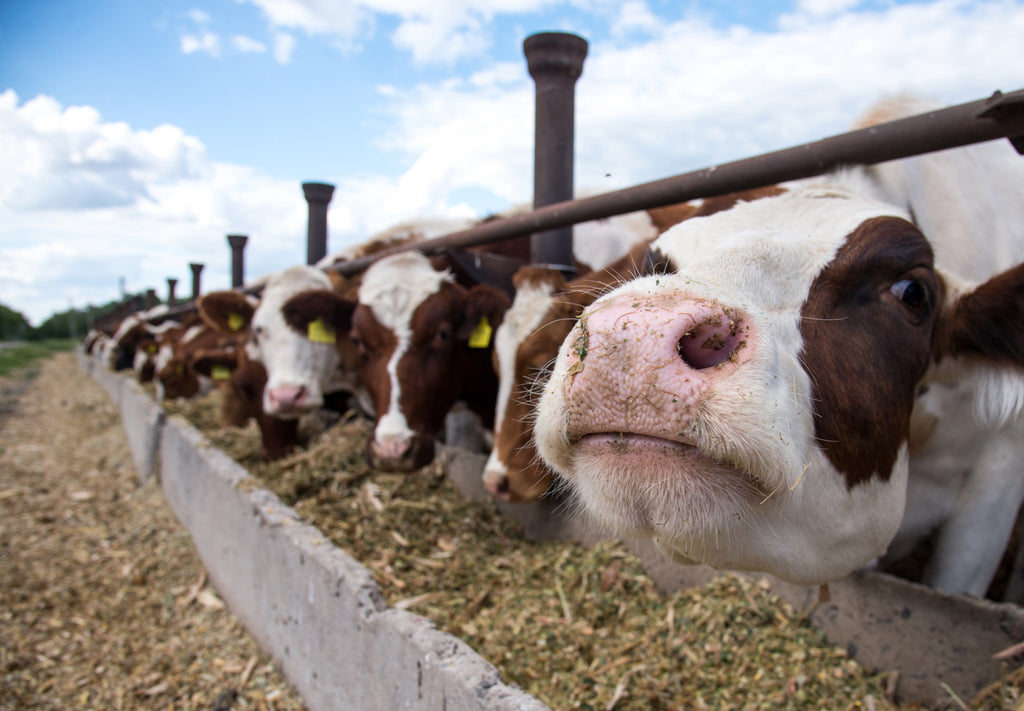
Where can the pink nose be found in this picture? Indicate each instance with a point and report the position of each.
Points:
(496, 485)
(391, 448)
(288, 398)
(700, 334)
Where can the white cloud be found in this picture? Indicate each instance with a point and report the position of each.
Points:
(248, 45)
(207, 42)
(435, 32)
(636, 16)
(284, 45)
(71, 159)
(823, 8)
(81, 194)
(200, 38)
(85, 201)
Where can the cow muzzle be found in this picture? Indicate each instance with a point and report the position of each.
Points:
(401, 453)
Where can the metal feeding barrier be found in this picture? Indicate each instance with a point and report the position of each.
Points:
(999, 116)
(555, 61)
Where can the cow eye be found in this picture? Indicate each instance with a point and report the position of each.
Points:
(357, 341)
(443, 334)
(912, 293)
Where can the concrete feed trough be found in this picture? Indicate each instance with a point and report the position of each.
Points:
(322, 616)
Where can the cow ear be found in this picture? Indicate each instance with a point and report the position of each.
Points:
(485, 308)
(318, 314)
(226, 311)
(987, 321)
(984, 325)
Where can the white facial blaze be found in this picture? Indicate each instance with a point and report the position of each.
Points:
(393, 289)
(531, 304)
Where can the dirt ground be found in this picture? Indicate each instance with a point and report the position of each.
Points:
(103, 599)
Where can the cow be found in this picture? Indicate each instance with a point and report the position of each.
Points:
(240, 383)
(426, 345)
(134, 333)
(542, 313)
(176, 376)
(299, 369)
(425, 342)
(812, 376)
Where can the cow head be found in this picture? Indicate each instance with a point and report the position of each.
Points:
(750, 407)
(297, 366)
(421, 337)
(523, 346)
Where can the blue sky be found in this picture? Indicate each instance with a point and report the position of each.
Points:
(136, 135)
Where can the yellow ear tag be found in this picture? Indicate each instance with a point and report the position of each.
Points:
(481, 335)
(151, 349)
(235, 322)
(220, 372)
(320, 332)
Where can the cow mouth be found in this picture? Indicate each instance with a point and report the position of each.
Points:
(642, 482)
(627, 442)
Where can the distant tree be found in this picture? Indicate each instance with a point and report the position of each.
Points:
(66, 324)
(13, 325)
(75, 323)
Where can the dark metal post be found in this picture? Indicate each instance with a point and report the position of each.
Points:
(150, 298)
(318, 195)
(555, 61)
(197, 269)
(237, 243)
(172, 284)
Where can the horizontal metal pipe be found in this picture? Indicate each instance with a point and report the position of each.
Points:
(1000, 116)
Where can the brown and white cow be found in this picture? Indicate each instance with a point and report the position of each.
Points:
(423, 352)
(544, 310)
(763, 402)
(426, 342)
(240, 383)
(299, 369)
(178, 347)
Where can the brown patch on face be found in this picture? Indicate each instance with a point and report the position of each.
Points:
(429, 373)
(374, 344)
(867, 328)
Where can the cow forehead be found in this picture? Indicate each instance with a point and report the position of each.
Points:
(394, 288)
(769, 250)
(281, 287)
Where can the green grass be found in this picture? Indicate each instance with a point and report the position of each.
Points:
(28, 354)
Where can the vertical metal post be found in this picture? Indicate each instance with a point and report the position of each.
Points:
(318, 195)
(197, 269)
(237, 243)
(555, 61)
(172, 284)
(150, 298)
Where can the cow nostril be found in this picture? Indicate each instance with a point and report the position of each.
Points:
(709, 343)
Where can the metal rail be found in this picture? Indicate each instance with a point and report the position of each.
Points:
(999, 116)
